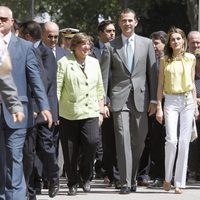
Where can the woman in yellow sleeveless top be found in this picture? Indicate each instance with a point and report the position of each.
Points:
(176, 84)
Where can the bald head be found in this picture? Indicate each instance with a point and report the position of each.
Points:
(6, 20)
(193, 41)
(51, 26)
(5, 12)
(50, 34)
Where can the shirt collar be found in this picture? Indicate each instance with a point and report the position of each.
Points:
(124, 38)
(36, 44)
(7, 38)
(101, 45)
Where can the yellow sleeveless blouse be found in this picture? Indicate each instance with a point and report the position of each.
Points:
(178, 74)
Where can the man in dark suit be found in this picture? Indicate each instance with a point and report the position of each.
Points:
(50, 34)
(26, 76)
(31, 31)
(130, 61)
(106, 163)
(153, 157)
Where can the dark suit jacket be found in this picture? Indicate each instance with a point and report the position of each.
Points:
(60, 52)
(50, 66)
(26, 76)
(142, 80)
(96, 52)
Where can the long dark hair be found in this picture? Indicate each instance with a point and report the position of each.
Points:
(168, 49)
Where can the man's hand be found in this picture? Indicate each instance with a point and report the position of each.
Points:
(100, 119)
(198, 101)
(57, 123)
(18, 116)
(159, 115)
(196, 113)
(106, 112)
(47, 117)
(152, 108)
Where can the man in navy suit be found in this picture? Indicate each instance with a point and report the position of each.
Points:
(8, 90)
(50, 36)
(26, 76)
(106, 157)
(31, 31)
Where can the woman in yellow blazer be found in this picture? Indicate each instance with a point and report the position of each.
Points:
(80, 94)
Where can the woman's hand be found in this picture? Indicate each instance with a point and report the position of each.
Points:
(159, 115)
(100, 119)
(196, 113)
(106, 112)
(198, 101)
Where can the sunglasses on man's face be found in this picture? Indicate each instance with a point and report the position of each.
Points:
(4, 19)
(53, 37)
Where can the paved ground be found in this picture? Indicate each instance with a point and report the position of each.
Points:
(100, 191)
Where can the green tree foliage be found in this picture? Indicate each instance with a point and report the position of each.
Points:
(83, 14)
(162, 14)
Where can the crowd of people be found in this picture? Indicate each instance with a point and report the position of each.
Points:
(122, 108)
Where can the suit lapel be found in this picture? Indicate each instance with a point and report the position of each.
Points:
(97, 53)
(137, 49)
(119, 47)
(12, 45)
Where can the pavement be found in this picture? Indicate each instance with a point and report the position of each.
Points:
(100, 191)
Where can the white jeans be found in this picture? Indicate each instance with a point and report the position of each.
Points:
(179, 112)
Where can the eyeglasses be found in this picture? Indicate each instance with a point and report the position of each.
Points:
(53, 36)
(4, 19)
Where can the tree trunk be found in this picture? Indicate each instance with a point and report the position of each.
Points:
(192, 13)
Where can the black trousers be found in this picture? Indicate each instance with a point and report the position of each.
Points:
(79, 137)
(40, 140)
(152, 162)
(194, 154)
(157, 149)
(109, 162)
(99, 156)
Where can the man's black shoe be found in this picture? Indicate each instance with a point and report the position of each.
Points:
(86, 186)
(53, 188)
(72, 190)
(124, 190)
(134, 188)
(117, 184)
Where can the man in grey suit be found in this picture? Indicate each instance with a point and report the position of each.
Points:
(130, 61)
(26, 77)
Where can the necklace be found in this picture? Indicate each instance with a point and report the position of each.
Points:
(82, 65)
